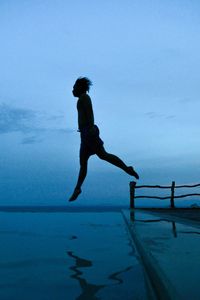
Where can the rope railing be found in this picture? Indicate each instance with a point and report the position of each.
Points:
(133, 187)
(168, 186)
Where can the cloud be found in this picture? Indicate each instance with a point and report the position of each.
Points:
(15, 119)
(25, 121)
(31, 140)
(187, 100)
(155, 115)
(170, 117)
(152, 115)
(55, 117)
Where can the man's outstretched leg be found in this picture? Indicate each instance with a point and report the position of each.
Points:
(114, 160)
(82, 174)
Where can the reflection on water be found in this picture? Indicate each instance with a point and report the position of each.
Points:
(89, 290)
(113, 276)
(191, 232)
(154, 220)
(43, 256)
(174, 229)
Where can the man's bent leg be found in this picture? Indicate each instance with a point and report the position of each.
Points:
(84, 156)
(114, 160)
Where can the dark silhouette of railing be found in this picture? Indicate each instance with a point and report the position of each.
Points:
(172, 187)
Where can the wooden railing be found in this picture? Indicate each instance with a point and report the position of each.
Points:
(172, 187)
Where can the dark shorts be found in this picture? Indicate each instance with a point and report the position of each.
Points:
(90, 141)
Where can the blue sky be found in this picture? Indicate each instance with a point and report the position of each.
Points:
(143, 59)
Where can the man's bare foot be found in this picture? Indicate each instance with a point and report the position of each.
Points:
(75, 194)
(132, 172)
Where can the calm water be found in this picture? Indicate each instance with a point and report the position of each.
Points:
(86, 255)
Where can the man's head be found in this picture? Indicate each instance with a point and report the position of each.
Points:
(82, 85)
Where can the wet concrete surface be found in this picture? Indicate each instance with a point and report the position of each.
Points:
(170, 250)
(189, 215)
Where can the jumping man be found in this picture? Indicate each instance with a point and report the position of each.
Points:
(90, 141)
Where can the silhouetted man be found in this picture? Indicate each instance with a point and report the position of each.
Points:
(90, 141)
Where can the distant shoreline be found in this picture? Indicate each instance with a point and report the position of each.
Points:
(54, 209)
(95, 208)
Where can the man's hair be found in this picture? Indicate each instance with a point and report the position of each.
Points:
(84, 83)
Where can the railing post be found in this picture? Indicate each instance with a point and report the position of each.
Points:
(132, 194)
(172, 194)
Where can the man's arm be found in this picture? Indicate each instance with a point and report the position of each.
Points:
(89, 111)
